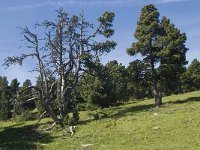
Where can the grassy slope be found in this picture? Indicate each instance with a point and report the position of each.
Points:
(136, 125)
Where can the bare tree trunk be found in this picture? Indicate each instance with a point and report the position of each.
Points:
(158, 101)
(157, 91)
(157, 95)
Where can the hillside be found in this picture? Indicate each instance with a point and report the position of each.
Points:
(135, 125)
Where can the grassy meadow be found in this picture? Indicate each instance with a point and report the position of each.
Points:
(136, 125)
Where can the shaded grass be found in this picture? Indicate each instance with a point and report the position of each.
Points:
(188, 100)
(135, 125)
(22, 136)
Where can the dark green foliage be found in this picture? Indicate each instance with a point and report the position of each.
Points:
(118, 77)
(26, 116)
(191, 78)
(105, 86)
(171, 56)
(71, 119)
(13, 90)
(146, 33)
(27, 94)
(106, 46)
(22, 102)
(93, 86)
(163, 50)
(138, 85)
(5, 105)
(106, 21)
(14, 87)
(38, 102)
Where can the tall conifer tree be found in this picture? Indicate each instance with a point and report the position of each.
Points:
(162, 47)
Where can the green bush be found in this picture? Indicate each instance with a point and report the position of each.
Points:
(27, 116)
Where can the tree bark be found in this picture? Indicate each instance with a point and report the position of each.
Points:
(157, 90)
(158, 96)
(158, 101)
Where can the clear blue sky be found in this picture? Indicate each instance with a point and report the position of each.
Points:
(185, 14)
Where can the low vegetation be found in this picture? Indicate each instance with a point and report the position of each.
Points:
(134, 125)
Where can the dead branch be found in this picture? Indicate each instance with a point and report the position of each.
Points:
(41, 116)
(51, 127)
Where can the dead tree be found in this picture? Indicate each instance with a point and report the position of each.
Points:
(68, 47)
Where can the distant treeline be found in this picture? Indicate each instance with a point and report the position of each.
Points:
(105, 86)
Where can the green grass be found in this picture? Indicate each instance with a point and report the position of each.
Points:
(135, 125)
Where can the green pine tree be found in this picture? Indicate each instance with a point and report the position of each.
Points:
(191, 78)
(138, 85)
(162, 47)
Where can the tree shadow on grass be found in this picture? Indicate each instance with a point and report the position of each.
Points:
(188, 100)
(133, 109)
(118, 114)
(23, 138)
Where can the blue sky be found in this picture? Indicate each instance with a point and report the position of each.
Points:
(185, 14)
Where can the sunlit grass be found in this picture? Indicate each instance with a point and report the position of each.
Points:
(135, 125)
